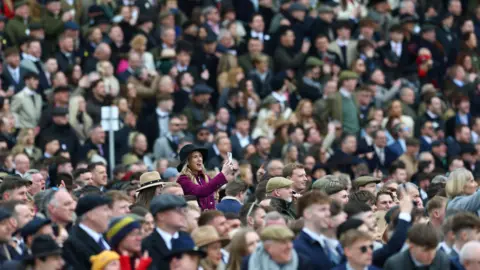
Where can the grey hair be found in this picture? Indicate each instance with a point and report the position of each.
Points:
(469, 251)
(223, 33)
(403, 91)
(163, 31)
(274, 215)
(422, 155)
(439, 179)
(406, 186)
(269, 165)
(208, 10)
(28, 175)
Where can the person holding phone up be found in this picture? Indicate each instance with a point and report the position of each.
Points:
(194, 179)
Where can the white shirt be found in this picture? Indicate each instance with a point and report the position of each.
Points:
(380, 153)
(348, 267)
(463, 118)
(443, 245)
(458, 82)
(427, 139)
(396, 48)
(167, 238)
(432, 115)
(163, 118)
(30, 57)
(94, 235)
(317, 237)
(28, 91)
(342, 43)
(345, 93)
(15, 72)
(244, 141)
(475, 137)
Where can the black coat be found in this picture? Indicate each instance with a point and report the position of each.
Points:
(403, 261)
(149, 126)
(66, 135)
(78, 249)
(64, 62)
(181, 99)
(7, 79)
(406, 63)
(157, 249)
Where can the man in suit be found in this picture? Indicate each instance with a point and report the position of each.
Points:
(343, 46)
(314, 207)
(13, 73)
(257, 30)
(382, 156)
(255, 47)
(398, 61)
(212, 19)
(32, 61)
(169, 216)
(156, 125)
(433, 114)
(86, 239)
(66, 54)
(134, 65)
(462, 117)
(465, 227)
(184, 51)
(166, 146)
(241, 138)
(421, 253)
(358, 248)
(27, 104)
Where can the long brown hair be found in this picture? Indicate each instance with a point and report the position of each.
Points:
(238, 249)
(145, 196)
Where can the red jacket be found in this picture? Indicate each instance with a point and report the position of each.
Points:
(143, 264)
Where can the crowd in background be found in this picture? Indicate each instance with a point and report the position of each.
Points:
(253, 134)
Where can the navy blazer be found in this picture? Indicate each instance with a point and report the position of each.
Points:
(344, 267)
(158, 250)
(374, 163)
(310, 248)
(237, 150)
(394, 244)
(455, 263)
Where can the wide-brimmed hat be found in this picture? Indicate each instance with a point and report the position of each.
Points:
(205, 235)
(184, 245)
(43, 246)
(186, 150)
(150, 179)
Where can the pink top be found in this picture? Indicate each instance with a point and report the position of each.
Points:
(205, 192)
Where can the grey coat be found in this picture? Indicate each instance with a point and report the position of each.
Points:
(470, 203)
(403, 261)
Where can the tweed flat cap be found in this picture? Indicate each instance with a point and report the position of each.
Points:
(164, 202)
(278, 182)
(277, 233)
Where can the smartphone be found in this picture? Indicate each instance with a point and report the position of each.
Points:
(230, 159)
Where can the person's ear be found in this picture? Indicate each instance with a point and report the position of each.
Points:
(250, 221)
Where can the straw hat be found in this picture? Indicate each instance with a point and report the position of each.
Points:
(205, 235)
(150, 179)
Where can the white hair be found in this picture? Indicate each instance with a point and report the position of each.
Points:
(470, 251)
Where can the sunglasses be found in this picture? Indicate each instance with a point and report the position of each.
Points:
(364, 249)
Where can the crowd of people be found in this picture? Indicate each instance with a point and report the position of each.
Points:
(253, 134)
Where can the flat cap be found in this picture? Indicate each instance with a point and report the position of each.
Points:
(71, 26)
(35, 26)
(412, 142)
(4, 214)
(164, 202)
(324, 9)
(321, 184)
(18, 4)
(277, 233)
(278, 182)
(347, 75)
(297, 7)
(34, 226)
(165, 14)
(467, 148)
(59, 111)
(405, 18)
(269, 100)
(89, 202)
(365, 180)
(349, 224)
(437, 143)
(211, 38)
(334, 187)
(201, 89)
(313, 62)
(428, 28)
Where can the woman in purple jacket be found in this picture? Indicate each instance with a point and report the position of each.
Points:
(195, 181)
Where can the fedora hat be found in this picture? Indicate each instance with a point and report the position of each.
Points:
(186, 150)
(205, 235)
(43, 246)
(150, 179)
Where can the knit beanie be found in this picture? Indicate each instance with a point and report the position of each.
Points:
(119, 228)
(102, 259)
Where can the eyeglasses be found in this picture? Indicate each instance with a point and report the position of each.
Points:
(364, 249)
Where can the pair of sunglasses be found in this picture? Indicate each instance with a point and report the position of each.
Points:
(364, 249)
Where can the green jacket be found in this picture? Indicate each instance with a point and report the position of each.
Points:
(333, 109)
(285, 208)
(53, 25)
(196, 115)
(16, 30)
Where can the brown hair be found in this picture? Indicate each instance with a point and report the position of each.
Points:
(383, 192)
(207, 217)
(117, 195)
(423, 235)
(351, 236)
(436, 203)
(310, 198)
(462, 221)
(238, 248)
(290, 167)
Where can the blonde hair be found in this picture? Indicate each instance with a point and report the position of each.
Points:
(456, 182)
(298, 111)
(73, 108)
(227, 62)
(138, 42)
(188, 172)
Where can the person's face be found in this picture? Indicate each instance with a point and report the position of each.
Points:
(54, 262)
(141, 144)
(169, 37)
(174, 191)
(344, 33)
(132, 242)
(251, 240)
(23, 214)
(351, 144)
(423, 255)
(175, 218)
(214, 253)
(275, 168)
(341, 197)
(396, 36)
(100, 216)
(192, 219)
(195, 161)
(32, 83)
(19, 194)
(86, 178)
(367, 32)
(470, 186)
(360, 66)
(309, 162)
(280, 251)
(319, 214)
(113, 265)
(350, 84)
(384, 202)
(257, 221)
(456, 164)
(64, 207)
(335, 221)
(13, 60)
(120, 208)
(185, 262)
(415, 195)
(299, 178)
(364, 98)
(401, 175)
(255, 46)
(381, 139)
(116, 34)
(360, 253)
(220, 224)
(38, 183)
(465, 135)
(288, 39)
(257, 24)
(285, 193)
(99, 175)
(147, 225)
(321, 44)
(7, 228)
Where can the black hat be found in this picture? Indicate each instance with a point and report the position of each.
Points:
(165, 202)
(89, 202)
(437, 143)
(343, 24)
(59, 111)
(95, 10)
(396, 28)
(444, 15)
(350, 224)
(297, 7)
(211, 38)
(184, 245)
(35, 26)
(405, 18)
(201, 89)
(43, 246)
(101, 20)
(278, 81)
(34, 226)
(4, 214)
(428, 28)
(144, 18)
(60, 89)
(186, 150)
(467, 148)
(71, 26)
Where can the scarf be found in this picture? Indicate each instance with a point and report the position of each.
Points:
(260, 260)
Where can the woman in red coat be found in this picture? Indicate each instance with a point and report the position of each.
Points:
(195, 181)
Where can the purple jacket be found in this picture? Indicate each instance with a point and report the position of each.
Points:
(205, 192)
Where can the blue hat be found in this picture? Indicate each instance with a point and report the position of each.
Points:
(184, 245)
(71, 26)
(89, 202)
(44, 246)
(165, 202)
(4, 214)
(34, 226)
(119, 228)
(170, 172)
(201, 88)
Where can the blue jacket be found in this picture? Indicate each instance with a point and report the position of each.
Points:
(455, 263)
(394, 245)
(310, 248)
(344, 267)
(228, 205)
